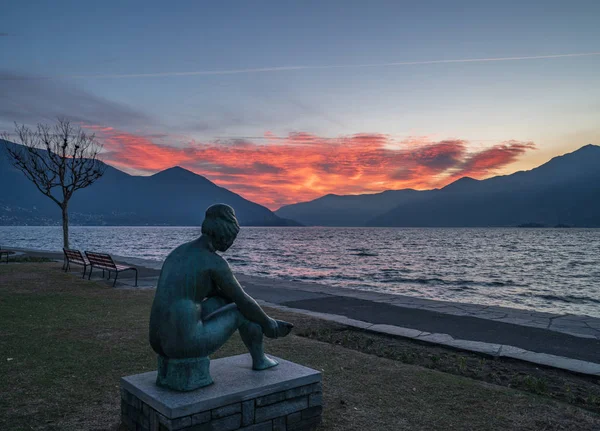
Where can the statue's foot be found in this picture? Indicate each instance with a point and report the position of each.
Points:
(264, 363)
(283, 328)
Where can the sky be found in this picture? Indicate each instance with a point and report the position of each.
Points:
(286, 101)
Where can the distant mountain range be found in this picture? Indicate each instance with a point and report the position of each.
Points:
(175, 197)
(563, 192)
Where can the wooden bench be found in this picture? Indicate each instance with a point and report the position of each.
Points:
(104, 261)
(75, 256)
(6, 252)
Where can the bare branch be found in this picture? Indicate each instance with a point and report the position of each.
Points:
(62, 159)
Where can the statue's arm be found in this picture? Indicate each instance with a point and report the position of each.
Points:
(231, 288)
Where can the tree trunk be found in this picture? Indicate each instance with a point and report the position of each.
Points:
(65, 220)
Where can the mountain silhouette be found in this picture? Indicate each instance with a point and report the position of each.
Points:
(175, 197)
(564, 191)
(349, 210)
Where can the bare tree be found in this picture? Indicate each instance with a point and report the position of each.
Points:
(59, 160)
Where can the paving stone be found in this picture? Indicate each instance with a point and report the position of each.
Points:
(228, 423)
(247, 412)
(126, 420)
(263, 426)
(405, 304)
(144, 422)
(594, 324)
(200, 418)
(516, 320)
(399, 299)
(226, 410)
(369, 296)
(154, 424)
(315, 399)
(125, 395)
(176, 424)
(163, 420)
(551, 360)
(582, 332)
(299, 391)
(476, 346)
(517, 313)
(472, 308)
(440, 305)
(538, 324)
(569, 323)
(343, 320)
(133, 413)
(455, 311)
(270, 399)
(279, 424)
(491, 316)
(436, 338)
(294, 417)
(134, 402)
(282, 408)
(511, 350)
(316, 314)
(570, 318)
(500, 309)
(396, 330)
(311, 412)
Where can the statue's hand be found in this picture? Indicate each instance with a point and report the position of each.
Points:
(277, 328)
(283, 328)
(271, 330)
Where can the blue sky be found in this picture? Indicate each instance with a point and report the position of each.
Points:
(552, 102)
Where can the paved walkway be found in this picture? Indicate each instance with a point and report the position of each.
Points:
(374, 306)
(564, 341)
(496, 331)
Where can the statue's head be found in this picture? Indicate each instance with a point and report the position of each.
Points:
(221, 226)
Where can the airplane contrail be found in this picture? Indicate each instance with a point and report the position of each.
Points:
(293, 68)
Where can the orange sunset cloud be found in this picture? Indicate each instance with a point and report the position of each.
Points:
(282, 170)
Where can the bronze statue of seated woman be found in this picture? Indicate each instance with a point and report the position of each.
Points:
(199, 304)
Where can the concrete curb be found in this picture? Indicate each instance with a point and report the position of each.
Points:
(488, 349)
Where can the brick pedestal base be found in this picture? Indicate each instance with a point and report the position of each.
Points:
(286, 397)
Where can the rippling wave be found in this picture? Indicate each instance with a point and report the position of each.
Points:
(556, 270)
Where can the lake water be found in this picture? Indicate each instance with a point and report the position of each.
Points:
(556, 270)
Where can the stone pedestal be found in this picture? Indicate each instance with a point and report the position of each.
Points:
(285, 397)
(183, 374)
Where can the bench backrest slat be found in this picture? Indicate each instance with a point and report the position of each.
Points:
(101, 259)
(74, 255)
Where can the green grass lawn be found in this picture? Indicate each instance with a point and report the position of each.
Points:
(65, 342)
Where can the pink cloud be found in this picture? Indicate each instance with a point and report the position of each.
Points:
(303, 166)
